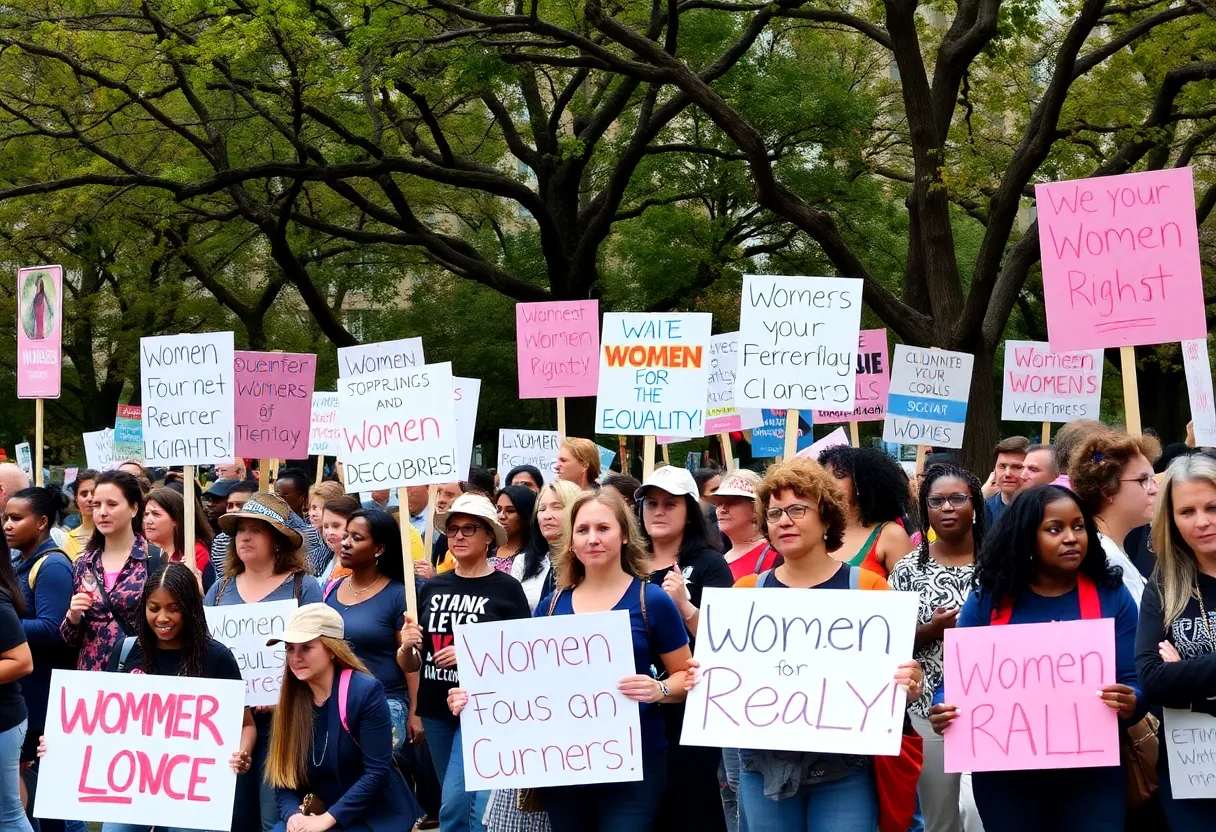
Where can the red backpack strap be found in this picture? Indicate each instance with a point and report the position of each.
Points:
(1002, 612)
(1087, 594)
(343, 695)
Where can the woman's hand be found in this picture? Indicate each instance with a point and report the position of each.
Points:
(640, 688)
(911, 678)
(446, 657)
(240, 762)
(941, 716)
(943, 619)
(263, 709)
(411, 633)
(1167, 652)
(692, 675)
(1121, 698)
(414, 732)
(457, 699)
(674, 586)
(310, 823)
(41, 747)
(81, 601)
(423, 569)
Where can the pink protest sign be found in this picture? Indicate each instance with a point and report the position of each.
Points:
(557, 344)
(873, 381)
(1121, 260)
(39, 331)
(1027, 696)
(273, 403)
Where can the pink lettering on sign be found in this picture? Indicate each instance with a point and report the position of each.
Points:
(557, 348)
(273, 403)
(1121, 260)
(39, 331)
(1027, 696)
(872, 383)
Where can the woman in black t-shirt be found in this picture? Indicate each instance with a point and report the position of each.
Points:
(16, 661)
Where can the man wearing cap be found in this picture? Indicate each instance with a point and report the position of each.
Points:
(237, 495)
(215, 499)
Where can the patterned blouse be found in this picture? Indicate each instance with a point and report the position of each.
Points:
(98, 632)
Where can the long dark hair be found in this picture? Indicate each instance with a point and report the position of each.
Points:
(879, 482)
(386, 533)
(44, 502)
(174, 505)
(132, 492)
(943, 471)
(8, 579)
(531, 470)
(524, 500)
(1010, 557)
(696, 529)
(178, 581)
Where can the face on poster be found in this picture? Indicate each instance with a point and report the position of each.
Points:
(873, 382)
(273, 403)
(380, 357)
(188, 398)
(39, 331)
(557, 348)
(1046, 386)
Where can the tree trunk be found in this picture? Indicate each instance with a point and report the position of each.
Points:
(983, 425)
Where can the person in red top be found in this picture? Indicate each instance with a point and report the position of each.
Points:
(735, 504)
(164, 526)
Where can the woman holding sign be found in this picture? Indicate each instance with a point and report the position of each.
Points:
(875, 489)
(1043, 562)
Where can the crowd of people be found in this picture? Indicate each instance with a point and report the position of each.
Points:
(366, 734)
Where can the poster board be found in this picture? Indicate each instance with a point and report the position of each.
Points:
(466, 394)
(39, 332)
(531, 447)
(380, 357)
(1198, 367)
(872, 385)
(1190, 741)
(1045, 386)
(188, 398)
(324, 430)
(273, 403)
(99, 449)
(129, 434)
(557, 348)
(244, 629)
(927, 404)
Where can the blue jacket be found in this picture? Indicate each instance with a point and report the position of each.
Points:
(45, 607)
(373, 794)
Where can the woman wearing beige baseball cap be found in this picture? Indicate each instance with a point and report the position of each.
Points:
(735, 504)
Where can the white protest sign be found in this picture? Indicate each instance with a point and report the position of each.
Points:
(1198, 369)
(189, 413)
(1046, 386)
(398, 428)
(528, 447)
(543, 706)
(244, 629)
(380, 357)
(466, 393)
(1190, 740)
(324, 430)
(142, 749)
(927, 404)
(99, 449)
(24, 460)
(654, 374)
(721, 414)
(801, 670)
(798, 341)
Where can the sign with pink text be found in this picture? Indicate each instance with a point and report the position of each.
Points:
(1046, 386)
(557, 348)
(1027, 696)
(873, 382)
(1198, 367)
(142, 749)
(1121, 260)
(274, 403)
(39, 331)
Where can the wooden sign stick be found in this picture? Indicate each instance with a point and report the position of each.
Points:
(728, 456)
(188, 483)
(38, 416)
(1131, 389)
(320, 468)
(561, 418)
(1047, 433)
(791, 433)
(855, 434)
(647, 456)
(264, 476)
(407, 556)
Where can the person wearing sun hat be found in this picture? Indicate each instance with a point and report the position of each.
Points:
(735, 504)
(331, 748)
(473, 591)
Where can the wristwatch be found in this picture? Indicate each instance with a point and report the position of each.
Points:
(663, 687)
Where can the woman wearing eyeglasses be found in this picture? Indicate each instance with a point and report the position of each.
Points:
(1112, 474)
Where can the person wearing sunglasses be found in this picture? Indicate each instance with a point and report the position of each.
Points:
(1112, 474)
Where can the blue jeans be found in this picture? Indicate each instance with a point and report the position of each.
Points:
(268, 806)
(12, 815)
(611, 807)
(846, 805)
(460, 811)
(729, 777)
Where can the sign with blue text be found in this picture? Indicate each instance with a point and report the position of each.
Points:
(927, 404)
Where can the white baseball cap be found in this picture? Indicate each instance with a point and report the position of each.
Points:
(673, 480)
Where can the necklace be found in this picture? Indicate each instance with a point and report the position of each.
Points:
(358, 591)
(1203, 610)
(324, 749)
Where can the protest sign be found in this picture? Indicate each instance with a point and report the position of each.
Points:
(769, 438)
(1190, 741)
(142, 749)
(832, 440)
(188, 410)
(721, 415)
(1198, 367)
(129, 434)
(543, 707)
(244, 629)
(557, 346)
(797, 339)
(25, 460)
(654, 374)
(531, 447)
(466, 393)
(398, 428)
(380, 357)
(1121, 260)
(325, 433)
(1026, 696)
(607, 455)
(99, 449)
(1046, 386)
(39, 332)
(873, 382)
(70, 473)
(927, 404)
(273, 403)
(776, 676)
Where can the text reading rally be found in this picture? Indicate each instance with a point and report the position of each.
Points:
(801, 670)
(188, 398)
(543, 706)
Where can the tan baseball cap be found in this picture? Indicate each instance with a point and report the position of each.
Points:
(740, 483)
(309, 622)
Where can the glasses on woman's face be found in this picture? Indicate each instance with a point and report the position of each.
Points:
(796, 512)
(1143, 479)
(464, 530)
(955, 500)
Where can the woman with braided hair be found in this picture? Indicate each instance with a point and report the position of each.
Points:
(940, 573)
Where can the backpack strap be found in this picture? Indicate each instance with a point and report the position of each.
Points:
(297, 585)
(34, 570)
(760, 560)
(553, 601)
(854, 577)
(128, 644)
(343, 695)
(1087, 595)
(645, 619)
(155, 555)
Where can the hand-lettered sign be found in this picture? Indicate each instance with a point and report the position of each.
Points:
(129, 434)
(557, 348)
(380, 357)
(654, 372)
(1046, 386)
(324, 434)
(273, 404)
(244, 629)
(1190, 741)
(721, 414)
(873, 382)
(143, 749)
(927, 404)
(1027, 696)
(466, 393)
(99, 449)
(833, 440)
(39, 332)
(544, 709)
(1198, 367)
(25, 459)
(529, 447)
(1121, 260)
(769, 438)
(801, 670)
(188, 398)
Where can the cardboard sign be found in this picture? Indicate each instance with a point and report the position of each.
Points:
(927, 404)
(99, 449)
(721, 415)
(654, 374)
(797, 339)
(129, 434)
(543, 706)
(380, 357)
(273, 403)
(39, 332)
(557, 348)
(1198, 367)
(1027, 699)
(607, 455)
(148, 750)
(531, 447)
(324, 431)
(801, 670)
(466, 393)
(1046, 386)
(873, 382)
(244, 629)
(1190, 740)
(188, 390)
(70, 474)
(398, 428)
(834, 439)
(1121, 260)
(25, 460)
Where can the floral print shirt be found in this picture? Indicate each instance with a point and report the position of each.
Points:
(98, 632)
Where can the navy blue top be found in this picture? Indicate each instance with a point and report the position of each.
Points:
(664, 634)
(371, 628)
(994, 509)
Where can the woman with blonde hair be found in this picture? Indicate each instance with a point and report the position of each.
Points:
(331, 747)
(318, 496)
(534, 570)
(578, 461)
